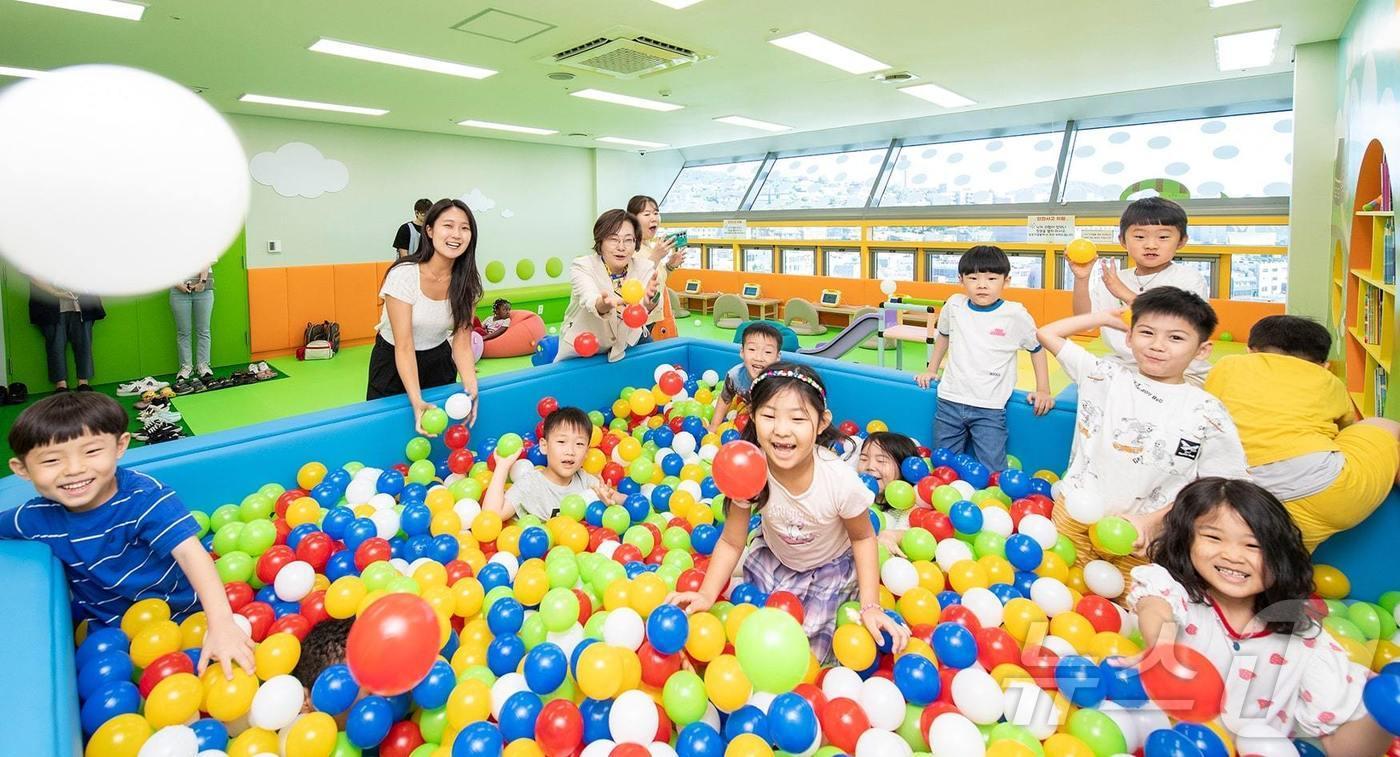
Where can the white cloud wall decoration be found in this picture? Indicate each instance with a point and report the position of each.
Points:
(298, 169)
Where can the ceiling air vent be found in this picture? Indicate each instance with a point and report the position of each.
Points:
(624, 54)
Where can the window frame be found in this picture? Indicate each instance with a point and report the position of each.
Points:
(744, 259)
(781, 254)
(829, 252)
(710, 256)
(875, 254)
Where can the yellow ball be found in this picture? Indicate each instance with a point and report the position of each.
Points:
(875, 427)
(573, 536)
(1021, 617)
(143, 613)
(918, 606)
(1073, 628)
(621, 408)
(633, 291)
(438, 499)
(1386, 653)
(522, 748)
(486, 526)
(642, 403)
(692, 472)
(617, 595)
(509, 539)
(631, 669)
(303, 510)
(736, 618)
(704, 395)
(1008, 672)
(594, 459)
(531, 586)
(253, 742)
(1359, 653)
(1053, 566)
(966, 574)
(1111, 644)
(706, 639)
(469, 702)
(725, 683)
(363, 510)
(647, 593)
(122, 736)
(1048, 475)
(999, 570)
(748, 745)
(1075, 582)
(155, 640)
(853, 646)
(1065, 745)
(1330, 582)
(192, 630)
(599, 672)
(430, 574)
(930, 575)
(1009, 748)
(1081, 251)
(310, 474)
(228, 699)
(445, 522)
(276, 655)
(919, 647)
(681, 502)
(311, 735)
(344, 596)
(174, 700)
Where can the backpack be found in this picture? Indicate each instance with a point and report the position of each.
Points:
(321, 341)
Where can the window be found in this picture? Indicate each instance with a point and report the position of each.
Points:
(1274, 236)
(834, 180)
(1027, 270)
(975, 171)
(894, 264)
(1201, 158)
(1015, 233)
(1065, 278)
(758, 259)
(692, 258)
(715, 187)
(1203, 265)
(844, 233)
(798, 261)
(721, 257)
(842, 263)
(1260, 278)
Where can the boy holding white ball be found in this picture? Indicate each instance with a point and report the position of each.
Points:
(538, 491)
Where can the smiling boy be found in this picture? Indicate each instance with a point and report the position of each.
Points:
(761, 346)
(538, 491)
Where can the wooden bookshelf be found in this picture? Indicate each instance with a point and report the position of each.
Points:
(1364, 302)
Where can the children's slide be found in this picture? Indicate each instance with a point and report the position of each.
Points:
(861, 328)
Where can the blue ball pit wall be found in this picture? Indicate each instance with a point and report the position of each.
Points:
(41, 716)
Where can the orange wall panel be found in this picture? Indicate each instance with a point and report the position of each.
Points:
(310, 299)
(267, 309)
(356, 300)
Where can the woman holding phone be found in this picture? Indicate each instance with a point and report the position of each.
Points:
(666, 255)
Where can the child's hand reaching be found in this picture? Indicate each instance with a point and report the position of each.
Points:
(226, 643)
(1040, 402)
(926, 378)
(691, 601)
(1113, 319)
(876, 622)
(1147, 527)
(890, 540)
(504, 463)
(608, 495)
(1112, 282)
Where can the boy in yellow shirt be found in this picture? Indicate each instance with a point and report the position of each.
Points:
(1299, 430)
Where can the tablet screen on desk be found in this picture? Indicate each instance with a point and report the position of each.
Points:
(692, 286)
(750, 291)
(831, 298)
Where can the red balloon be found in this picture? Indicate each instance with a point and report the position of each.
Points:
(608, 443)
(599, 536)
(657, 667)
(843, 721)
(923, 632)
(546, 406)
(286, 500)
(740, 470)
(849, 428)
(680, 523)
(1183, 683)
(460, 461)
(993, 477)
(741, 421)
(962, 616)
(945, 688)
(612, 473)
(393, 644)
(372, 550)
(690, 580)
(657, 555)
(401, 468)
(559, 729)
(939, 525)
(995, 646)
(239, 594)
(313, 607)
(812, 694)
(675, 424)
(925, 488)
(161, 668)
(635, 316)
(585, 606)
(456, 571)
(456, 436)
(663, 725)
(1100, 613)
(944, 474)
(671, 382)
(260, 616)
(283, 529)
(586, 344)
(294, 624)
(315, 549)
(1041, 663)
(403, 738)
(627, 553)
(629, 750)
(788, 603)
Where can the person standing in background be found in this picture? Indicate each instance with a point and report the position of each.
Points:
(406, 240)
(662, 323)
(192, 302)
(65, 318)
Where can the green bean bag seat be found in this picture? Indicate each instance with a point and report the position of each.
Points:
(730, 311)
(801, 316)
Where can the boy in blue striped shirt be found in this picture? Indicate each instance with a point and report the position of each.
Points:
(121, 535)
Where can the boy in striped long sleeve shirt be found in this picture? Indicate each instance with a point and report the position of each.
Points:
(121, 535)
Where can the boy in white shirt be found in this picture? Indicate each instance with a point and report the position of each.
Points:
(984, 332)
(1152, 230)
(565, 437)
(1143, 433)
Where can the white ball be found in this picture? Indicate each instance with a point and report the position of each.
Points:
(244, 625)
(1102, 578)
(951, 551)
(899, 576)
(399, 564)
(360, 490)
(157, 155)
(711, 716)
(520, 468)
(171, 741)
(599, 748)
(691, 487)
(661, 370)
(633, 718)
(660, 749)
(684, 443)
(953, 735)
(874, 743)
(710, 377)
(762, 700)
(567, 639)
(647, 489)
(511, 562)
(887, 286)
(382, 501)
(624, 628)
(1126, 723)
(1052, 596)
(1040, 528)
(467, 509)
(277, 703)
(997, 520)
(983, 604)
(504, 687)
(662, 453)
(1084, 506)
(708, 452)
(386, 523)
(1059, 645)
(683, 394)
(883, 703)
(458, 406)
(607, 548)
(1030, 706)
(294, 581)
(964, 488)
(977, 696)
(213, 752)
(842, 682)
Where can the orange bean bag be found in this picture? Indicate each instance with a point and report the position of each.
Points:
(525, 331)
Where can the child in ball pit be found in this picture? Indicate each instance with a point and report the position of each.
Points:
(564, 438)
(121, 535)
(761, 345)
(881, 456)
(815, 540)
(1231, 579)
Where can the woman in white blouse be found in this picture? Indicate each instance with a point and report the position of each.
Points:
(658, 249)
(424, 337)
(595, 303)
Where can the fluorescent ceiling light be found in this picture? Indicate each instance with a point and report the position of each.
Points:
(752, 123)
(616, 99)
(677, 4)
(404, 60)
(1246, 49)
(113, 8)
(632, 142)
(311, 104)
(21, 73)
(937, 95)
(506, 127)
(1223, 3)
(821, 49)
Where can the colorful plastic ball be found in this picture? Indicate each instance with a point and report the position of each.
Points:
(109, 701)
(1184, 684)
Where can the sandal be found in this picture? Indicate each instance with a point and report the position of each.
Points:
(17, 394)
(266, 372)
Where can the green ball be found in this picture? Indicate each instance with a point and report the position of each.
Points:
(675, 538)
(605, 574)
(402, 585)
(641, 538)
(256, 507)
(1367, 618)
(432, 724)
(434, 420)
(257, 537)
(1115, 535)
(201, 519)
(1342, 627)
(1388, 601)
(1065, 549)
(1098, 732)
(1226, 336)
(679, 559)
(616, 519)
(562, 574)
(222, 516)
(1013, 462)
(641, 470)
(466, 488)
(272, 490)
(596, 417)
(684, 697)
(573, 507)
(719, 509)
(918, 544)
(559, 609)
(377, 575)
(554, 267)
(533, 631)
(226, 538)
(944, 497)
(496, 595)
(626, 393)
(525, 270)
(773, 650)
(910, 731)
(1017, 733)
(982, 497)
(479, 468)
(670, 574)
(421, 472)
(495, 271)
(618, 424)
(477, 673)
(829, 751)
(721, 610)
(593, 629)
(658, 520)
(900, 495)
(989, 543)
(1387, 625)
(566, 691)
(234, 566)
(353, 467)
(508, 445)
(427, 748)
(418, 448)
(1336, 607)
(343, 747)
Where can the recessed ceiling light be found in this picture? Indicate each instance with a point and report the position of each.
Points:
(937, 95)
(311, 104)
(1246, 49)
(677, 4)
(507, 127)
(404, 60)
(1223, 3)
(632, 142)
(113, 8)
(628, 100)
(821, 49)
(21, 73)
(752, 123)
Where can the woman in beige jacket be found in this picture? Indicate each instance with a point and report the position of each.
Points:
(595, 303)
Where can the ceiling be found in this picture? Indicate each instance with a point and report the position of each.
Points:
(1003, 53)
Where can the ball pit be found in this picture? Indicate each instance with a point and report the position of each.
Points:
(526, 677)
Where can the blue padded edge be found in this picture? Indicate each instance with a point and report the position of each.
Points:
(39, 703)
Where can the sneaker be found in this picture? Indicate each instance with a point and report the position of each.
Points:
(265, 372)
(155, 427)
(184, 374)
(199, 386)
(204, 372)
(84, 388)
(183, 385)
(140, 386)
(18, 394)
(158, 412)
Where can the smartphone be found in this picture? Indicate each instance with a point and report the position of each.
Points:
(680, 239)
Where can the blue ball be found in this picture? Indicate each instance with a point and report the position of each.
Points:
(1023, 552)
(730, 435)
(545, 668)
(536, 456)
(700, 739)
(1015, 483)
(358, 532)
(1206, 741)
(886, 642)
(917, 679)
(432, 692)
(1080, 679)
(325, 494)
(390, 482)
(1164, 742)
(634, 569)
(1382, 698)
(965, 517)
(871, 483)
(417, 546)
(913, 469)
(661, 498)
(708, 488)
(450, 647)
(1122, 684)
(704, 537)
(445, 548)
(671, 464)
(1307, 749)
(415, 519)
(99, 671)
(948, 597)
(341, 564)
(595, 718)
(295, 536)
(505, 617)
(210, 734)
(493, 574)
(266, 595)
(282, 609)
(337, 520)
(695, 426)
(663, 436)
(628, 486)
(108, 701)
(480, 739)
(534, 543)
(941, 456)
(667, 630)
(400, 705)
(413, 493)
(593, 513)
(978, 475)
(1040, 486)
(637, 507)
(334, 690)
(1024, 579)
(954, 645)
(747, 594)
(519, 714)
(1005, 592)
(874, 520)
(792, 723)
(339, 479)
(443, 469)
(747, 719)
(505, 653)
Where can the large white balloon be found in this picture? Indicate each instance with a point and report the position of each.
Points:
(953, 735)
(951, 551)
(876, 743)
(599, 748)
(883, 703)
(899, 576)
(633, 718)
(984, 604)
(977, 696)
(1052, 596)
(842, 682)
(458, 406)
(1126, 722)
(171, 741)
(997, 520)
(1085, 507)
(1260, 740)
(160, 176)
(277, 703)
(386, 523)
(1040, 528)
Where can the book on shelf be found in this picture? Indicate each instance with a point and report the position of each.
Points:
(1382, 387)
(1388, 252)
(1371, 315)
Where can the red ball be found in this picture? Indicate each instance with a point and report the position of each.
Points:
(925, 488)
(675, 424)
(294, 624)
(401, 468)
(995, 646)
(546, 406)
(392, 644)
(1183, 683)
(313, 607)
(741, 421)
(599, 536)
(740, 470)
(608, 443)
(635, 316)
(456, 571)
(283, 529)
(939, 525)
(812, 694)
(460, 461)
(944, 474)
(657, 667)
(1100, 613)
(680, 523)
(962, 616)
(585, 606)
(260, 616)
(559, 729)
(923, 632)
(849, 428)
(843, 721)
(585, 344)
(372, 550)
(239, 594)
(403, 738)
(931, 713)
(161, 668)
(671, 382)
(627, 553)
(612, 473)
(1041, 663)
(315, 549)
(690, 580)
(788, 603)
(657, 555)
(285, 501)
(925, 452)
(629, 750)
(456, 436)
(993, 477)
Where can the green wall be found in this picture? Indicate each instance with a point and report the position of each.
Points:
(137, 338)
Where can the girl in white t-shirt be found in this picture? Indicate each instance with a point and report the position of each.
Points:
(1231, 579)
(816, 540)
(424, 333)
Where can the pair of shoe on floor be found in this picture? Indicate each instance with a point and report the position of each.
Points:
(16, 394)
(156, 431)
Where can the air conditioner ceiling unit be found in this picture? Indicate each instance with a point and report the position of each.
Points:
(622, 53)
